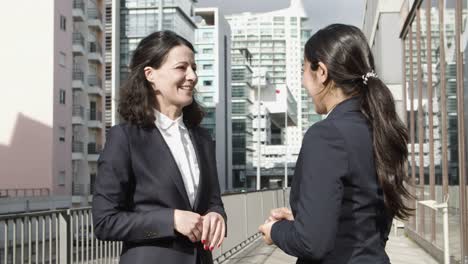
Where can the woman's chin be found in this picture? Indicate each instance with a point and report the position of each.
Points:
(186, 102)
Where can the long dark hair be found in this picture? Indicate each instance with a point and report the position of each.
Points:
(137, 97)
(345, 52)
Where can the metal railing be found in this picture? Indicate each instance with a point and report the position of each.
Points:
(95, 115)
(95, 47)
(78, 111)
(94, 80)
(94, 148)
(78, 75)
(77, 146)
(78, 189)
(67, 236)
(78, 4)
(24, 192)
(78, 38)
(94, 13)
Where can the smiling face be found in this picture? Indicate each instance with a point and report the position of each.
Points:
(175, 79)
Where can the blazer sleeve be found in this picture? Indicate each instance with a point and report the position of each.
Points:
(324, 164)
(112, 218)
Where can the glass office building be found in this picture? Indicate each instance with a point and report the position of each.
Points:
(434, 39)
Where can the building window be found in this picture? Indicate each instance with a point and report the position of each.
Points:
(108, 43)
(207, 51)
(207, 35)
(208, 66)
(62, 96)
(108, 102)
(208, 99)
(62, 134)
(63, 23)
(62, 59)
(61, 178)
(108, 72)
(207, 83)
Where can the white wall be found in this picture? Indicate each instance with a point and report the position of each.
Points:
(30, 82)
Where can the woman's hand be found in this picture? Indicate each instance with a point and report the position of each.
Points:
(265, 229)
(282, 213)
(276, 215)
(189, 224)
(214, 230)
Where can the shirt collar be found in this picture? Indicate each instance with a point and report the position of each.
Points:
(164, 122)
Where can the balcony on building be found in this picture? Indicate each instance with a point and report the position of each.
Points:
(78, 189)
(95, 52)
(77, 150)
(94, 150)
(95, 119)
(95, 85)
(78, 114)
(78, 81)
(79, 47)
(81, 193)
(78, 11)
(281, 106)
(95, 19)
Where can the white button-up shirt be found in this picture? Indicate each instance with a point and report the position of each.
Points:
(177, 137)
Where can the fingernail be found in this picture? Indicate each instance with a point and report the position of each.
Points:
(203, 241)
(211, 248)
(205, 247)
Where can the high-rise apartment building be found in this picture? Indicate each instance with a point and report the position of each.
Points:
(242, 117)
(88, 130)
(213, 59)
(275, 40)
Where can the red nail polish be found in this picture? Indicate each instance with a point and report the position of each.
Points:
(205, 247)
(211, 248)
(203, 241)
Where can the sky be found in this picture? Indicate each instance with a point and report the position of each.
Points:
(320, 12)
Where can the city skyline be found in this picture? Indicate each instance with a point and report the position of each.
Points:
(320, 13)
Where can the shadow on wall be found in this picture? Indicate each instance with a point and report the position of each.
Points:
(27, 161)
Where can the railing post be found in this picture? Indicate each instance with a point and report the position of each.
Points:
(64, 242)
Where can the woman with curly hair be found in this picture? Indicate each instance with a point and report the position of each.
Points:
(157, 188)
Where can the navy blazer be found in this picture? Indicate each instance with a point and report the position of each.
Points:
(137, 189)
(335, 197)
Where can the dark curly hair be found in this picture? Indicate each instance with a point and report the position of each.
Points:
(137, 97)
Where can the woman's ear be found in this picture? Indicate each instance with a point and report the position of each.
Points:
(149, 73)
(322, 72)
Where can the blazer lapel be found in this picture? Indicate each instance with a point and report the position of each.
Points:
(171, 165)
(197, 145)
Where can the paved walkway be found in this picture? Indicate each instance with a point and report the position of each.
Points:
(400, 249)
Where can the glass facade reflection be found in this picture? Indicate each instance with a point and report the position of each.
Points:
(242, 118)
(139, 18)
(434, 41)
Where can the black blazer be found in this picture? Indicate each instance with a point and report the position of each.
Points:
(335, 197)
(137, 189)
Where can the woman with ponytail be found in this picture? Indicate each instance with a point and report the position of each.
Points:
(350, 177)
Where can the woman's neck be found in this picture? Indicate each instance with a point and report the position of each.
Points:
(171, 111)
(334, 98)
